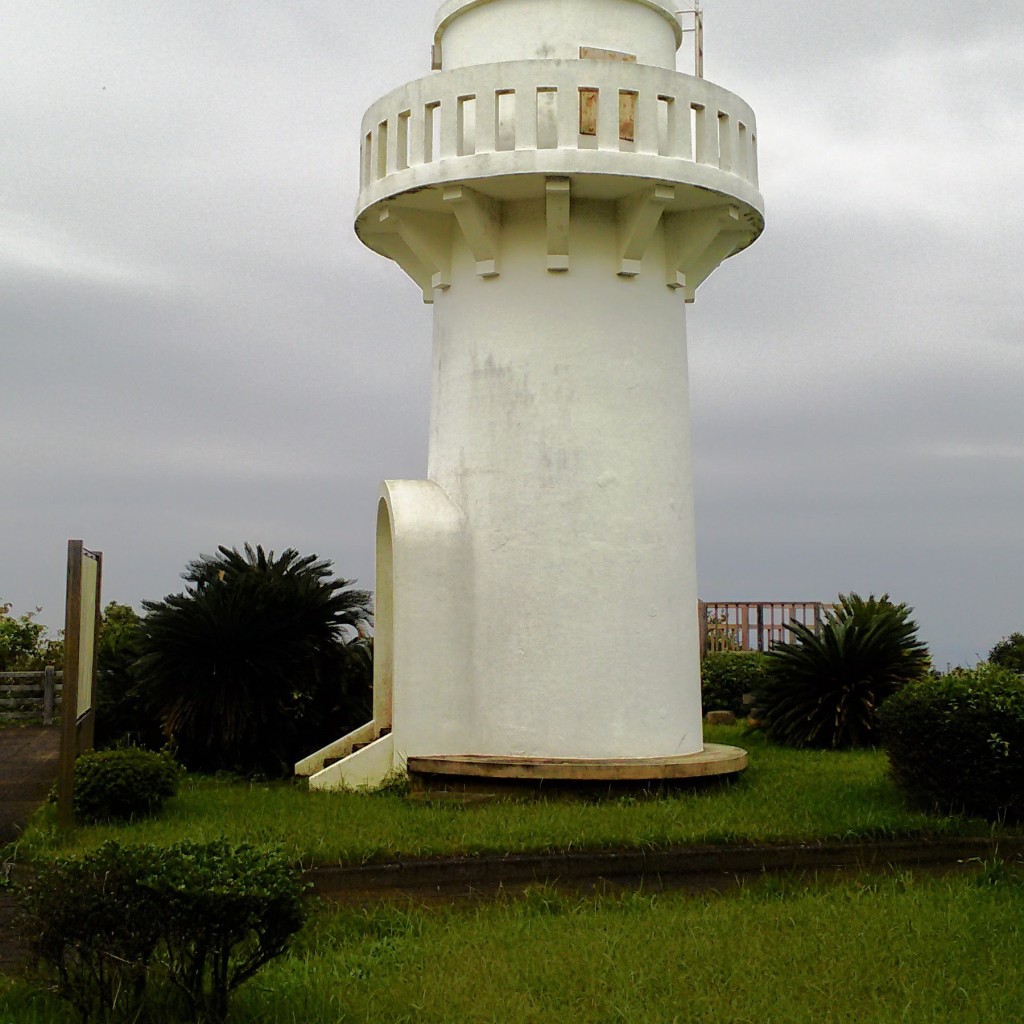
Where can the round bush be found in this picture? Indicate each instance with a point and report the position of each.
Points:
(122, 784)
(124, 930)
(725, 676)
(956, 743)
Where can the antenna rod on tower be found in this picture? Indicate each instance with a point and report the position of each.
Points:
(698, 36)
(698, 39)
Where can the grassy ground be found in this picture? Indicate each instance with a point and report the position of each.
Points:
(881, 950)
(785, 795)
(796, 950)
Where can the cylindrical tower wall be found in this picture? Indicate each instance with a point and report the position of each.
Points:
(560, 426)
(488, 31)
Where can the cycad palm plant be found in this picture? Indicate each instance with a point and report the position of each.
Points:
(246, 667)
(823, 688)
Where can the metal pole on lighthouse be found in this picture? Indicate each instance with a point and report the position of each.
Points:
(558, 192)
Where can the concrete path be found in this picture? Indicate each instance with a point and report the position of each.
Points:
(29, 757)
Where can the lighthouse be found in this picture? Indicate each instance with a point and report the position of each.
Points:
(558, 192)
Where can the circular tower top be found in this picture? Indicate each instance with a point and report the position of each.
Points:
(473, 32)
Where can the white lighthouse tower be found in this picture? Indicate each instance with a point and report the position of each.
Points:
(558, 192)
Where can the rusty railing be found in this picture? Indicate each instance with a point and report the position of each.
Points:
(753, 625)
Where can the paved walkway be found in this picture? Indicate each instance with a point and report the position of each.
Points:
(28, 768)
(29, 757)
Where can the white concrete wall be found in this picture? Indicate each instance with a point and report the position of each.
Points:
(426, 647)
(560, 426)
(474, 32)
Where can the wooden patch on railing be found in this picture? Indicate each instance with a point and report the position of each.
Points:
(627, 116)
(596, 53)
(588, 111)
(589, 102)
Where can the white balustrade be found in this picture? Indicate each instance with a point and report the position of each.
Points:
(516, 116)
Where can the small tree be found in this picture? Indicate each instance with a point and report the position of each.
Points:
(1009, 653)
(247, 666)
(25, 644)
(124, 710)
(824, 689)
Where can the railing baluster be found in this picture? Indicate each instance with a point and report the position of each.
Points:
(608, 118)
(526, 117)
(486, 121)
(646, 133)
(567, 101)
(449, 127)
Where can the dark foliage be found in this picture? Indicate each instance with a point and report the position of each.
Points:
(193, 921)
(122, 784)
(92, 929)
(1009, 653)
(726, 676)
(823, 690)
(227, 911)
(258, 662)
(124, 711)
(956, 743)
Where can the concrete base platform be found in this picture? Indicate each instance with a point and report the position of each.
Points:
(438, 770)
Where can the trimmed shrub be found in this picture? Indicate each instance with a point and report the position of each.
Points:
(956, 743)
(92, 929)
(725, 676)
(122, 784)
(227, 911)
(824, 689)
(194, 921)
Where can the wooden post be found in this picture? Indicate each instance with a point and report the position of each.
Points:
(77, 722)
(702, 626)
(69, 695)
(49, 682)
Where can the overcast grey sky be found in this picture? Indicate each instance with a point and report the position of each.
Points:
(195, 350)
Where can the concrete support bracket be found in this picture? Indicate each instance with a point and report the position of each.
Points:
(390, 244)
(479, 219)
(691, 247)
(428, 237)
(557, 214)
(638, 217)
(724, 245)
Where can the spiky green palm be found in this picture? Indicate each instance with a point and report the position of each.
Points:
(823, 689)
(248, 666)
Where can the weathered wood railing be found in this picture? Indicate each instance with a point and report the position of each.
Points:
(753, 625)
(28, 696)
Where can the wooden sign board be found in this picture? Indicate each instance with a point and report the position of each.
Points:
(82, 611)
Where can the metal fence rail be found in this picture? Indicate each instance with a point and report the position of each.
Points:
(753, 625)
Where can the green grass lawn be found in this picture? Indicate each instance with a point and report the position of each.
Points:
(876, 950)
(785, 795)
(785, 951)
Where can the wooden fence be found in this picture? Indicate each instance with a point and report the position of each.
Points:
(753, 625)
(30, 696)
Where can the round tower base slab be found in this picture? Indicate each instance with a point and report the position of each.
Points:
(475, 772)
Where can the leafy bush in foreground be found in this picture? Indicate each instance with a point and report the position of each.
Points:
(725, 676)
(956, 743)
(227, 911)
(196, 919)
(824, 689)
(92, 929)
(122, 784)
